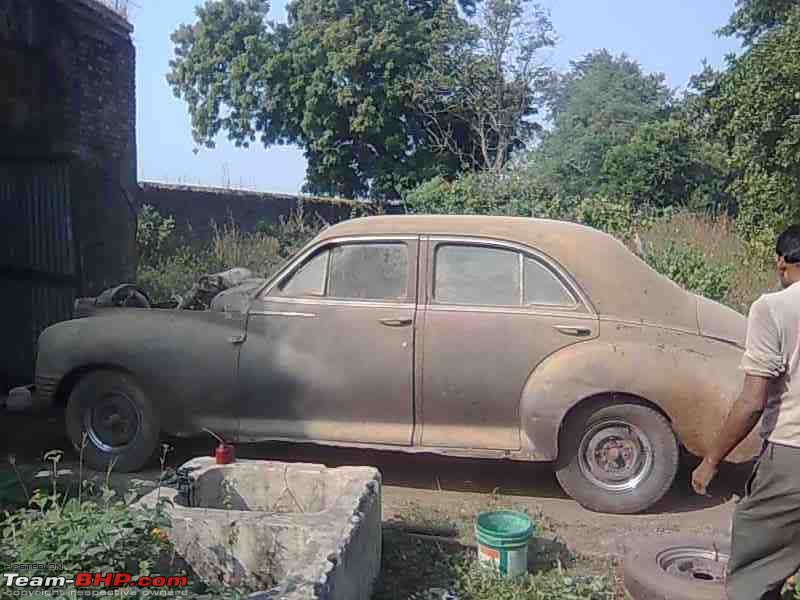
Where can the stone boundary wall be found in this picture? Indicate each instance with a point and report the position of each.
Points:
(194, 208)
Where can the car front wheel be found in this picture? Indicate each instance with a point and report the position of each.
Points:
(111, 422)
(619, 458)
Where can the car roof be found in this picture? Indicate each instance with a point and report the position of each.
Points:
(619, 284)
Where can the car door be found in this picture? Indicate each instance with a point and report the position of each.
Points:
(492, 312)
(329, 350)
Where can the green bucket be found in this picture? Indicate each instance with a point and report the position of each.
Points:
(503, 540)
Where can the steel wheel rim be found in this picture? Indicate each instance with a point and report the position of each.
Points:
(112, 422)
(696, 564)
(615, 455)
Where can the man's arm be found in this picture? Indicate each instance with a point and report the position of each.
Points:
(762, 362)
(746, 412)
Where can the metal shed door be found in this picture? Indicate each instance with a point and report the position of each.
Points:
(37, 260)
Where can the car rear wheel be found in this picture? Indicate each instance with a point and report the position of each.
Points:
(619, 458)
(109, 415)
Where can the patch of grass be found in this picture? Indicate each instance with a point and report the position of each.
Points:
(421, 567)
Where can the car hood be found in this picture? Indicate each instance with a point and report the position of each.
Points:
(236, 299)
(716, 321)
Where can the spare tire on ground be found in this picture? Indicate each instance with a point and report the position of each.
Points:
(676, 567)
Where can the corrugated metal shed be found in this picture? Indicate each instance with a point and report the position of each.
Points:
(38, 271)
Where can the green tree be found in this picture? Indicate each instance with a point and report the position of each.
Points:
(595, 107)
(338, 79)
(755, 110)
(488, 76)
(668, 164)
(752, 18)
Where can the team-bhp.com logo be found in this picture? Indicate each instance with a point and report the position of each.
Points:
(116, 581)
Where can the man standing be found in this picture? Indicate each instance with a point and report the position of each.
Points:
(765, 549)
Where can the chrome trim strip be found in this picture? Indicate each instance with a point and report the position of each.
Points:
(335, 302)
(512, 310)
(631, 323)
(277, 313)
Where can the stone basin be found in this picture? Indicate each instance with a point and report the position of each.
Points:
(291, 530)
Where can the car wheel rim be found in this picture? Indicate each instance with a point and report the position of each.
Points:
(697, 564)
(112, 422)
(615, 456)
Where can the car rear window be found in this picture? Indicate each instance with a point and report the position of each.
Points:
(477, 275)
(542, 286)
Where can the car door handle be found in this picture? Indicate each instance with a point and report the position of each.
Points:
(572, 330)
(395, 322)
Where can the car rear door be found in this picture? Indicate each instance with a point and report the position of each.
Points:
(492, 311)
(330, 347)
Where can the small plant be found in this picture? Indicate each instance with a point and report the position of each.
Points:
(153, 234)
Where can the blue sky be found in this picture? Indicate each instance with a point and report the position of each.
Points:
(670, 36)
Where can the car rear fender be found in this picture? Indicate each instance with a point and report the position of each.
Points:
(692, 380)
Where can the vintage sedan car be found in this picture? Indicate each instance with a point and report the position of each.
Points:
(475, 336)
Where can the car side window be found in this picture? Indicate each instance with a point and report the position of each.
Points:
(477, 275)
(369, 271)
(309, 279)
(542, 286)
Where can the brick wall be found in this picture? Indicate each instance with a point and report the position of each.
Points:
(67, 95)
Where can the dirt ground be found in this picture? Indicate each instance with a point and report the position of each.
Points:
(448, 487)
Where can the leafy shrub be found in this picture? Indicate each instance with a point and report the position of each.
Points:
(688, 267)
(613, 217)
(484, 193)
(101, 534)
(153, 234)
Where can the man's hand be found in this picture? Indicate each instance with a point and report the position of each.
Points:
(703, 475)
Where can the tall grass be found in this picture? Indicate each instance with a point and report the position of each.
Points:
(722, 253)
(171, 268)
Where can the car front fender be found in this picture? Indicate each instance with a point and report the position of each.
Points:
(71, 346)
(692, 380)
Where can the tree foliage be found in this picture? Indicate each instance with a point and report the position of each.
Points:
(336, 79)
(596, 106)
(755, 110)
(667, 164)
(340, 79)
(488, 77)
(752, 18)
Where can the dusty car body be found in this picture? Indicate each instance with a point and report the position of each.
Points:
(477, 336)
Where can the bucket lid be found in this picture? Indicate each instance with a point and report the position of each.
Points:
(505, 525)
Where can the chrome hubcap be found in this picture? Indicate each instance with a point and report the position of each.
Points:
(615, 456)
(112, 422)
(694, 563)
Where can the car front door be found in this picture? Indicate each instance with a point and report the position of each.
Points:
(493, 311)
(329, 349)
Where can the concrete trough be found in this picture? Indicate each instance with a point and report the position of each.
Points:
(292, 530)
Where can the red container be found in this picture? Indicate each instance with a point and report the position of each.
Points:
(224, 454)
